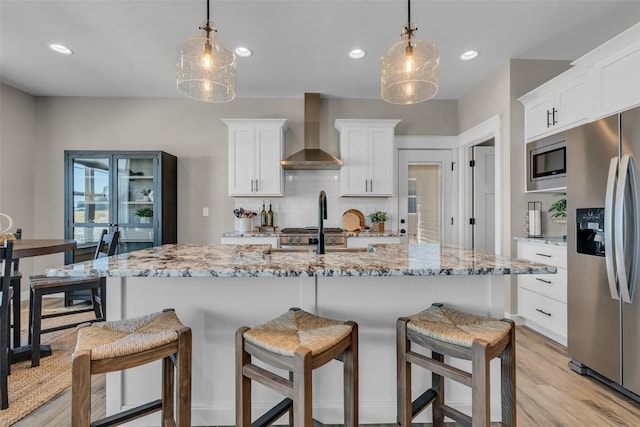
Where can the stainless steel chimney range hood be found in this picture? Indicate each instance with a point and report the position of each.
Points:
(311, 157)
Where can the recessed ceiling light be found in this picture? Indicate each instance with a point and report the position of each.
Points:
(469, 55)
(243, 51)
(60, 49)
(357, 53)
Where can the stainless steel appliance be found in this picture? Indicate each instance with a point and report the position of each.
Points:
(547, 163)
(296, 237)
(603, 250)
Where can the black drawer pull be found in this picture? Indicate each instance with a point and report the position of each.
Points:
(543, 312)
(548, 256)
(548, 282)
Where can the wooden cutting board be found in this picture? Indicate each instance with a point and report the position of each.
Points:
(353, 220)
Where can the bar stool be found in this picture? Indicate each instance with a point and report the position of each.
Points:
(122, 344)
(298, 342)
(449, 332)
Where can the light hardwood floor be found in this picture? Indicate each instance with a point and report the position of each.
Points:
(548, 393)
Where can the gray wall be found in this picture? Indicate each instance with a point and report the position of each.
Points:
(17, 149)
(497, 95)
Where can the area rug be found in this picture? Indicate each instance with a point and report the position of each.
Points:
(30, 388)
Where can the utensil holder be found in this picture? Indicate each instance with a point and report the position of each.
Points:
(243, 225)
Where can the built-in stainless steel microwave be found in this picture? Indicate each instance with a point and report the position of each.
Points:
(547, 163)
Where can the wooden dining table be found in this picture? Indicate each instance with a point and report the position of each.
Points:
(24, 248)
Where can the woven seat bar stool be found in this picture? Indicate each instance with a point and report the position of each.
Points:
(450, 332)
(298, 342)
(117, 345)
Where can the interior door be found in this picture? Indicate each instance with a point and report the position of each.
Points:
(425, 196)
(484, 194)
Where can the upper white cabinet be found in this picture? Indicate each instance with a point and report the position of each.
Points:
(557, 105)
(255, 151)
(614, 85)
(366, 148)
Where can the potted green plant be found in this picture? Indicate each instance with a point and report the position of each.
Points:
(377, 219)
(559, 210)
(145, 214)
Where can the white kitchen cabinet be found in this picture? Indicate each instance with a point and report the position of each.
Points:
(365, 241)
(366, 148)
(557, 105)
(613, 80)
(255, 151)
(542, 298)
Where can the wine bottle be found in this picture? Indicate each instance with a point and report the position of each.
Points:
(270, 217)
(263, 216)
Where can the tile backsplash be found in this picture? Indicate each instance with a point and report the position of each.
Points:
(299, 206)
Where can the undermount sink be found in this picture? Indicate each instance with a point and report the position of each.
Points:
(312, 249)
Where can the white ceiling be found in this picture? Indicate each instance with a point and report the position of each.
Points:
(129, 48)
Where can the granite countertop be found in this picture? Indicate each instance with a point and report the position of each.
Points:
(277, 233)
(546, 240)
(186, 260)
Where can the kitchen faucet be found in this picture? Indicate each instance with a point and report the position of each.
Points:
(322, 214)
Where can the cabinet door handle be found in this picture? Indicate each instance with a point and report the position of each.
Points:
(256, 185)
(553, 116)
(543, 312)
(548, 118)
(371, 185)
(252, 186)
(548, 282)
(366, 185)
(545, 255)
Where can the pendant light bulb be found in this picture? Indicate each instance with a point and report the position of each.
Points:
(409, 63)
(207, 58)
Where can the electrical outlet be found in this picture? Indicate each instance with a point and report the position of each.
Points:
(205, 211)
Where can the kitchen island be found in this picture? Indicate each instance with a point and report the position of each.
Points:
(217, 288)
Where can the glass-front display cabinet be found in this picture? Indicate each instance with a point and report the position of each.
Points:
(134, 192)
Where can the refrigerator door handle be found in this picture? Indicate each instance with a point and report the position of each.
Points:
(608, 228)
(626, 176)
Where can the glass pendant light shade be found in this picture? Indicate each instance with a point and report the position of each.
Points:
(410, 70)
(206, 69)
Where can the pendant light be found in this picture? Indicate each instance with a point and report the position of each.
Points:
(410, 68)
(206, 69)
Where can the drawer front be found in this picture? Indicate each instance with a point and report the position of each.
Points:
(543, 311)
(551, 285)
(545, 254)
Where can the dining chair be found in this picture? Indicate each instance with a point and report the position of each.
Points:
(6, 255)
(16, 281)
(42, 285)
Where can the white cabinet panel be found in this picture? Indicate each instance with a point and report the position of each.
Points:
(617, 83)
(542, 298)
(559, 104)
(366, 148)
(255, 151)
(365, 241)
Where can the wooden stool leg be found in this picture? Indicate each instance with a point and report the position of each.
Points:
(480, 404)
(351, 379)
(184, 363)
(302, 386)
(168, 384)
(291, 409)
(508, 378)
(81, 389)
(243, 384)
(437, 384)
(403, 345)
(16, 312)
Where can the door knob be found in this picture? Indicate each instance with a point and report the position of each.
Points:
(402, 221)
(402, 231)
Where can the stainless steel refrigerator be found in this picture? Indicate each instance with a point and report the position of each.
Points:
(603, 221)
